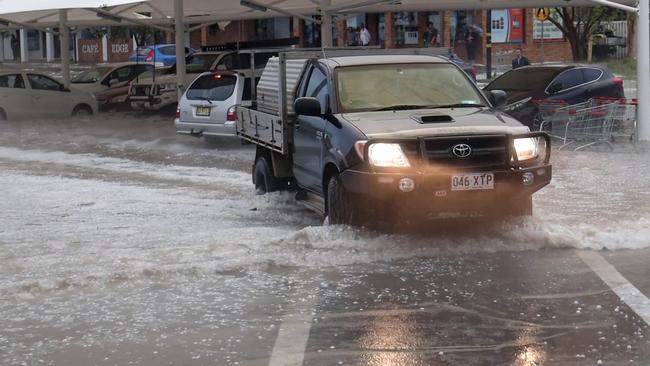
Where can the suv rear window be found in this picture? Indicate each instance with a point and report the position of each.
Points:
(210, 87)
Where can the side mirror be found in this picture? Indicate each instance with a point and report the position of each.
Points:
(64, 89)
(497, 97)
(307, 106)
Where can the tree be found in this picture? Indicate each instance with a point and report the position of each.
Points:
(146, 35)
(578, 24)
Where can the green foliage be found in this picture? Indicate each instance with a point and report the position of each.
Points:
(578, 24)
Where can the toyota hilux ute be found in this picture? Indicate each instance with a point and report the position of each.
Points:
(366, 138)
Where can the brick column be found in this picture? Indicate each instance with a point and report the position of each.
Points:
(389, 36)
(423, 22)
(373, 28)
(204, 36)
(169, 37)
(446, 28)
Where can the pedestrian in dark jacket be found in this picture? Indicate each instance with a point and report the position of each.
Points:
(519, 60)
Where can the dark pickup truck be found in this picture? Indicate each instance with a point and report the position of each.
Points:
(366, 138)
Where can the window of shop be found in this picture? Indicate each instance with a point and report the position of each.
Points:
(274, 28)
(406, 28)
(381, 26)
(435, 18)
(459, 20)
(353, 27)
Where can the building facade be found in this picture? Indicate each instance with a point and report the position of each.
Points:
(462, 30)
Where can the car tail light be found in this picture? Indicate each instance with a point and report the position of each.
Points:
(216, 76)
(617, 81)
(149, 56)
(232, 114)
(178, 113)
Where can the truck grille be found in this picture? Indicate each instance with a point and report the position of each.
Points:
(486, 152)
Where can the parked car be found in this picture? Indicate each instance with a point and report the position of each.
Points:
(207, 108)
(26, 95)
(109, 82)
(162, 55)
(150, 94)
(573, 84)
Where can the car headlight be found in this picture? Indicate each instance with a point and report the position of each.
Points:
(387, 155)
(526, 148)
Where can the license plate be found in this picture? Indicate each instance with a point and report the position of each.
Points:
(472, 181)
(203, 111)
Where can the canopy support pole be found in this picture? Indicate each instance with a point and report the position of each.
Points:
(643, 71)
(179, 35)
(24, 51)
(326, 24)
(64, 37)
(49, 46)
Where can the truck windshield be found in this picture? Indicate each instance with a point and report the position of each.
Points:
(212, 87)
(377, 87)
(91, 75)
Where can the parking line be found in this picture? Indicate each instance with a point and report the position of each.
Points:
(290, 345)
(634, 298)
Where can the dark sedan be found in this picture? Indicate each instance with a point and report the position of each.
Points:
(573, 84)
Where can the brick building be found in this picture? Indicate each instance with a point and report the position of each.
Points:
(406, 29)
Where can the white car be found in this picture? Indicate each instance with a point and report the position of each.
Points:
(207, 108)
(26, 95)
(109, 82)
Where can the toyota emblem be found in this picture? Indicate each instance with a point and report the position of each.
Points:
(462, 150)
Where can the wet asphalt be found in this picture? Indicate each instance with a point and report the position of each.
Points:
(123, 243)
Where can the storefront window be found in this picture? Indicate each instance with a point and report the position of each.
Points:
(460, 19)
(353, 27)
(406, 28)
(274, 28)
(436, 19)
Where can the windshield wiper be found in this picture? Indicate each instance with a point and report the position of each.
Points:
(206, 99)
(402, 107)
(457, 105)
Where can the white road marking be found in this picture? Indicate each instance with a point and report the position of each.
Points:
(289, 347)
(634, 298)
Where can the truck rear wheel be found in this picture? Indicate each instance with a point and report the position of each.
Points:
(263, 178)
(340, 206)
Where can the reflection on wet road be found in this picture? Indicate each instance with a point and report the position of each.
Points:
(122, 243)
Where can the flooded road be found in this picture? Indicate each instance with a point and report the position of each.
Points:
(123, 243)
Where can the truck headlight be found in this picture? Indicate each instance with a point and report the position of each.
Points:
(387, 155)
(526, 148)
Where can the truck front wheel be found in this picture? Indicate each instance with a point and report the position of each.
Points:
(340, 206)
(263, 178)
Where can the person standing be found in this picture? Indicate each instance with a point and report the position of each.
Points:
(519, 59)
(364, 35)
(15, 46)
(430, 36)
(472, 43)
